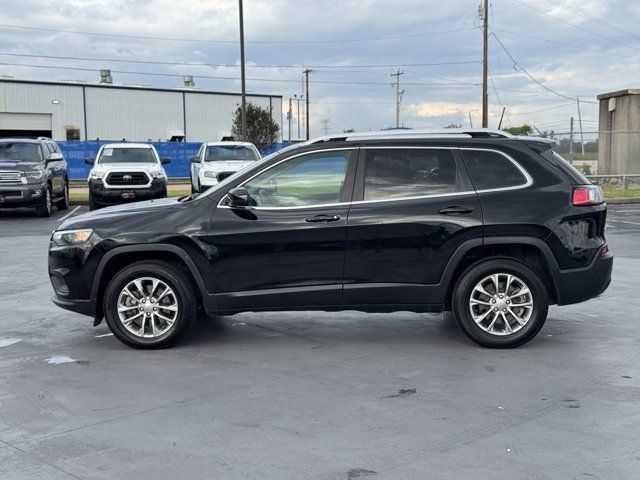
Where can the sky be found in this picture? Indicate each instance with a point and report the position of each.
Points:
(543, 54)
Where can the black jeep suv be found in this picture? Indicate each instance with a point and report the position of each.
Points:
(33, 173)
(493, 227)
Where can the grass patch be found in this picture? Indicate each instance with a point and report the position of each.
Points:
(82, 196)
(617, 193)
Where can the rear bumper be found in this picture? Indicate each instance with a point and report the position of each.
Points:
(580, 284)
(29, 195)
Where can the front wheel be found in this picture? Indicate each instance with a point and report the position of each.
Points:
(46, 206)
(63, 203)
(150, 304)
(500, 303)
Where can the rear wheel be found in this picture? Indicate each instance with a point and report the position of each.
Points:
(500, 303)
(150, 304)
(46, 207)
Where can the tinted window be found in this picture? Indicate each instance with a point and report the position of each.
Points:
(20, 152)
(231, 152)
(492, 170)
(399, 173)
(314, 179)
(127, 155)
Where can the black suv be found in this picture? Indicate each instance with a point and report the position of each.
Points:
(33, 173)
(493, 227)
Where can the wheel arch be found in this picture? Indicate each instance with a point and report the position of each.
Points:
(114, 260)
(532, 252)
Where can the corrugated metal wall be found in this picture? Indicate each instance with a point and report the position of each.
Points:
(136, 114)
(16, 97)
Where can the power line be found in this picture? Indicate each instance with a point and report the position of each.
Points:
(501, 30)
(263, 42)
(542, 12)
(593, 19)
(215, 77)
(517, 67)
(202, 64)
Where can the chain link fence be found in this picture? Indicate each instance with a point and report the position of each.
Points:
(608, 159)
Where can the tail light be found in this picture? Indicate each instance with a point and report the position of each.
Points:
(587, 195)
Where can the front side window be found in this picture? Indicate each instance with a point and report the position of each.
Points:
(490, 170)
(20, 152)
(402, 173)
(230, 153)
(127, 155)
(314, 179)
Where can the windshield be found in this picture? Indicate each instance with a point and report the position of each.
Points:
(127, 155)
(20, 152)
(231, 152)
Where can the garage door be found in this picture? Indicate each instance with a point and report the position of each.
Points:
(25, 121)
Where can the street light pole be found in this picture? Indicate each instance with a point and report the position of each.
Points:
(298, 100)
(242, 75)
(306, 83)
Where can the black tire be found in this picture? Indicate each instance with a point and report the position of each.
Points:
(46, 207)
(92, 203)
(63, 203)
(462, 307)
(193, 189)
(176, 278)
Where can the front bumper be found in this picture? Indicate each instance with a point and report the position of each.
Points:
(21, 195)
(110, 196)
(581, 284)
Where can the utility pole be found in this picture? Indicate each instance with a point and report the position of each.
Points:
(580, 123)
(242, 76)
(501, 117)
(571, 139)
(306, 94)
(325, 125)
(470, 121)
(398, 94)
(298, 99)
(485, 64)
(289, 115)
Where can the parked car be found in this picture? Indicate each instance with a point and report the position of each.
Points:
(33, 173)
(216, 161)
(493, 227)
(126, 172)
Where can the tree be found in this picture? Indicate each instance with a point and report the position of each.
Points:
(262, 130)
(522, 130)
(453, 125)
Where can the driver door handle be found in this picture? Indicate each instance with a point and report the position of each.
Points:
(323, 218)
(455, 210)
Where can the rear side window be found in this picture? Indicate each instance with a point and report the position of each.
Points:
(400, 173)
(490, 170)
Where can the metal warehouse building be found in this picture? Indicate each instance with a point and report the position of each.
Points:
(84, 111)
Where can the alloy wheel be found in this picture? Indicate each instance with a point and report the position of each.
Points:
(501, 304)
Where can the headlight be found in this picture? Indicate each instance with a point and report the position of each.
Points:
(34, 176)
(64, 238)
(211, 174)
(96, 174)
(157, 174)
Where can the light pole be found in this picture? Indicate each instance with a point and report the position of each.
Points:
(242, 77)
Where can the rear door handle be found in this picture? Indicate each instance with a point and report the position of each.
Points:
(455, 210)
(323, 219)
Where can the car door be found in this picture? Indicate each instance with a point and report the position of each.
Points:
(413, 207)
(285, 250)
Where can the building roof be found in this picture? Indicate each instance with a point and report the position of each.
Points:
(619, 93)
(76, 84)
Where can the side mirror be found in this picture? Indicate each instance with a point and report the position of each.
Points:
(89, 161)
(195, 159)
(238, 197)
(165, 160)
(55, 157)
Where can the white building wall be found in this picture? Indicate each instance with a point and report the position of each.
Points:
(136, 114)
(140, 115)
(39, 98)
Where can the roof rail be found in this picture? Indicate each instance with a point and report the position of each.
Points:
(440, 133)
